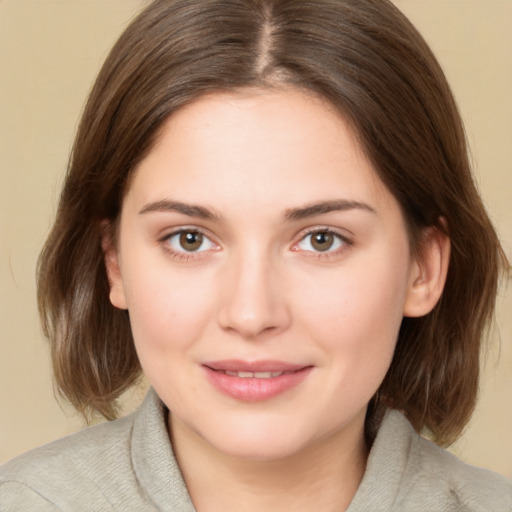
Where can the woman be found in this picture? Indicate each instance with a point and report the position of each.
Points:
(269, 210)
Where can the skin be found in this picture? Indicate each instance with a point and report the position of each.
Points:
(257, 288)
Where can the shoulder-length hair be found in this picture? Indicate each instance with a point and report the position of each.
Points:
(368, 61)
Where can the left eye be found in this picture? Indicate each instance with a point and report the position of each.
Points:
(190, 241)
(321, 241)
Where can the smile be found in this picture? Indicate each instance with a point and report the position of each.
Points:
(256, 381)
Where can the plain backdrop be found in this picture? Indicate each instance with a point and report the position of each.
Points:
(50, 52)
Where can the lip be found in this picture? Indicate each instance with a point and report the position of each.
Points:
(253, 389)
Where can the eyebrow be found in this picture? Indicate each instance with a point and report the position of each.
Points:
(313, 209)
(191, 210)
(291, 214)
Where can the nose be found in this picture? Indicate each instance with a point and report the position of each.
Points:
(253, 299)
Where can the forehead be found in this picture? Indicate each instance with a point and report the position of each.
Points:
(268, 147)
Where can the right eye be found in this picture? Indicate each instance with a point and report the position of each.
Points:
(189, 241)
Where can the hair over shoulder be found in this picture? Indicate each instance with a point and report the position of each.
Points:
(367, 60)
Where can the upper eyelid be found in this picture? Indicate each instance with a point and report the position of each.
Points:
(170, 232)
(342, 233)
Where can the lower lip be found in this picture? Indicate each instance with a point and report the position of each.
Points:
(252, 389)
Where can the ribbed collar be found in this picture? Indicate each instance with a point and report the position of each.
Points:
(387, 478)
(153, 459)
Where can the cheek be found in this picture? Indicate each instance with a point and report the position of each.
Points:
(357, 334)
(356, 312)
(168, 309)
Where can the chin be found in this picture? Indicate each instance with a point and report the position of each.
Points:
(264, 440)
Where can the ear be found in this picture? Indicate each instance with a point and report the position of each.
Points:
(428, 272)
(111, 258)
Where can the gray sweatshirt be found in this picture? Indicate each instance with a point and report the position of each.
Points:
(128, 465)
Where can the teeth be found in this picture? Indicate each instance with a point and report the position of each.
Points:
(254, 375)
(263, 375)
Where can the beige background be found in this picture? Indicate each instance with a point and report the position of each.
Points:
(50, 51)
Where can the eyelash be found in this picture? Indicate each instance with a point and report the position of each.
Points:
(184, 255)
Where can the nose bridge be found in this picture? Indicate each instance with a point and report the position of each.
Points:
(253, 301)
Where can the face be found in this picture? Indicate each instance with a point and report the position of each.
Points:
(266, 270)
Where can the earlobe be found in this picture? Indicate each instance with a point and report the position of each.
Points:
(428, 273)
(115, 281)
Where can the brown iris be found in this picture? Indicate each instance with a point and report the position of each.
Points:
(322, 240)
(191, 241)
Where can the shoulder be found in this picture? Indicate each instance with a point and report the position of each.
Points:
(127, 464)
(447, 482)
(473, 489)
(68, 469)
(407, 473)
(71, 451)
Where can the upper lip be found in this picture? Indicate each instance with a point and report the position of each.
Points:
(236, 365)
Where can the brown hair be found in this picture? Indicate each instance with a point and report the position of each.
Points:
(365, 58)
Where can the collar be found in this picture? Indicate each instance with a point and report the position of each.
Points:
(153, 459)
(161, 480)
(394, 448)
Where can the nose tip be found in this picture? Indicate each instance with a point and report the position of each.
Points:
(254, 304)
(248, 326)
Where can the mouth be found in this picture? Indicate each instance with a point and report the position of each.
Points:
(255, 381)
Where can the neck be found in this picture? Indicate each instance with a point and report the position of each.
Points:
(324, 476)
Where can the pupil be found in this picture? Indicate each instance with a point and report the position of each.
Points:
(191, 241)
(322, 241)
